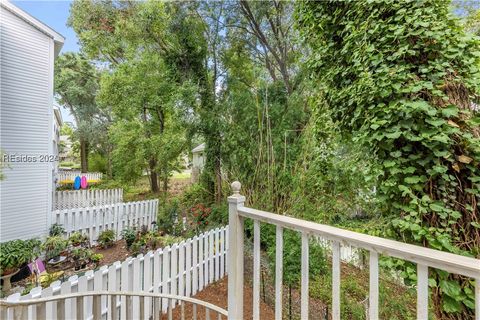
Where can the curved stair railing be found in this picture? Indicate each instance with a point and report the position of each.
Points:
(108, 305)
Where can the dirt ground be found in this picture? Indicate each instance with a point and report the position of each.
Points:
(216, 294)
(118, 252)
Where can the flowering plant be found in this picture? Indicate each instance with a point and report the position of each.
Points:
(199, 215)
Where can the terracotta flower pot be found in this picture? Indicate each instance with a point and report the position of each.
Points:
(7, 285)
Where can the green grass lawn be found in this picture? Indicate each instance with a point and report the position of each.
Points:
(182, 175)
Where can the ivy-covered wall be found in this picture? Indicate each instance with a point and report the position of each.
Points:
(402, 78)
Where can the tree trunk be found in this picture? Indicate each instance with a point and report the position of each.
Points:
(165, 185)
(165, 180)
(84, 155)
(153, 176)
(109, 165)
(218, 182)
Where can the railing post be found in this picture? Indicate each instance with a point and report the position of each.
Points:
(235, 254)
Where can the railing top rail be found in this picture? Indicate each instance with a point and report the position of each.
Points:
(6, 303)
(453, 263)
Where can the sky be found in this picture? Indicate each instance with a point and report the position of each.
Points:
(55, 15)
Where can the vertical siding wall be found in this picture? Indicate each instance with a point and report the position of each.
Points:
(25, 120)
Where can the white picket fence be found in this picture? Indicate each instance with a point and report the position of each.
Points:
(67, 176)
(86, 198)
(182, 269)
(118, 216)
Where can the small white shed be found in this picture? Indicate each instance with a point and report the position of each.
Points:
(28, 50)
(198, 161)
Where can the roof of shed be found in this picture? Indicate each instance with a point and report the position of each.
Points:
(199, 148)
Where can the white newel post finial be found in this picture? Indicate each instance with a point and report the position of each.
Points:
(235, 254)
(236, 186)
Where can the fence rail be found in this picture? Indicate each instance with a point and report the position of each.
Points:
(425, 258)
(69, 176)
(86, 198)
(117, 217)
(148, 306)
(176, 272)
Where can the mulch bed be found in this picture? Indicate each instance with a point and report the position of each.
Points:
(217, 293)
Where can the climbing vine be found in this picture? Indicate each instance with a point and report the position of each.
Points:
(402, 78)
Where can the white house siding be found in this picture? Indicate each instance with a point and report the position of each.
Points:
(26, 116)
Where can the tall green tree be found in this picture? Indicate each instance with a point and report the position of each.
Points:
(402, 77)
(150, 49)
(76, 86)
(147, 132)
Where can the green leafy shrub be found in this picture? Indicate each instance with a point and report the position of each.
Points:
(292, 257)
(56, 229)
(53, 246)
(96, 258)
(15, 253)
(106, 238)
(97, 163)
(129, 235)
(81, 254)
(47, 279)
(195, 194)
(78, 239)
(169, 216)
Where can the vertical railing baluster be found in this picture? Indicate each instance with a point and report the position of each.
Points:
(207, 313)
(40, 312)
(305, 275)
(128, 307)
(182, 307)
(256, 270)
(61, 308)
(194, 307)
(170, 307)
(113, 307)
(422, 291)
(374, 279)
(156, 308)
(336, 280)
(278, 273)
(97, 307)
(235, 254)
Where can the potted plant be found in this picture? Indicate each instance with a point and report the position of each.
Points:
(81, 257)
(96, 258)
(13, 255)
(56, 229)
(106, 238)
(53, 246)
(78, 239)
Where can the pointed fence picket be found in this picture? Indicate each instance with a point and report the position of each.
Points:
(93, 220)
(171, 270)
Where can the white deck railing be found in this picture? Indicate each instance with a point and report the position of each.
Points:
(86, 198)
(424, 258)
(105, 305)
